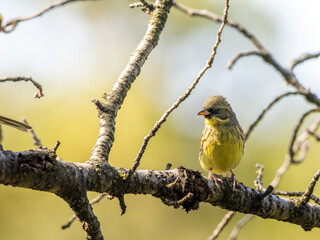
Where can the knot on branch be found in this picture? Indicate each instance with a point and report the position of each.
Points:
(145, 6)
(188, 189)
(102, 107)
(39, 158)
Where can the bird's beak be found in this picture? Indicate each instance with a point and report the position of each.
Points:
(203, 112)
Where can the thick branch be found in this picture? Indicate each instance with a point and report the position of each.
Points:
(39, 170)
(79, 203)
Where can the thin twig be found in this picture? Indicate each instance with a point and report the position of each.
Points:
(299, 143)
(260, 117)
(223, 223)
(316, 136)
(240, 224)
(11, 25)
(164, 117)
(56, 146)
(240, 55)
(268, 191)
(208, 15)
(38, 94)
(146, 7)
(34, 136)
(294, 136)
(68, 224)
(295, 194)
(304, 136)
(304, 57)
(308, 193)
(285, 165)
(290, 78)
(123, 206)
(168, 166)
(178, 203)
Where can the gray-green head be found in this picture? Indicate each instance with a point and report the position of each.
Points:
(218, 107)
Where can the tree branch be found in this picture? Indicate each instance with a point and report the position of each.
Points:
(223, 223)
(295, 194)
(304, 57)
(115, 98)
(38, 169)
(38, 94)
(79, 203)
(11, 25)
(239, 225)
(308, 193)
(240, 55)
(293, 151)
(262, 114)
(208, 15)
(93, 201)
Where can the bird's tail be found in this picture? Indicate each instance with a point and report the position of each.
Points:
(13, 123)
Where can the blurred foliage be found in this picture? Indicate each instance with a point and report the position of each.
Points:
(77, 52)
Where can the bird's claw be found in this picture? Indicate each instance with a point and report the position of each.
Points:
(234, 180)
(213, 177)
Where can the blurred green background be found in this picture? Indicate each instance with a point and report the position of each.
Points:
(77, 52)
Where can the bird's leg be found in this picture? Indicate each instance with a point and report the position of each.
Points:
(213, 177)
(234, 180)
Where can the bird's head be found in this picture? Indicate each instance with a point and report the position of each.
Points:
(217, 110)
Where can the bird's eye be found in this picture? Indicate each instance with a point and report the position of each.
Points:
(213, 110)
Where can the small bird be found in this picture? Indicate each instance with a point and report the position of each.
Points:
(13, 123)
(222, 139)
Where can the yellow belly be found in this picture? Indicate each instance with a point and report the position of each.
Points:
(221, 149)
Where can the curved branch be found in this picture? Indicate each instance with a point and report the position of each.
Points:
(223, 223)
(292, 151)
(290, 78)
(304, 57)
(215, 18)
(263, 113)
(235, 231)
(308, 193)
(240, 55)
(38, 94)
(11, 25)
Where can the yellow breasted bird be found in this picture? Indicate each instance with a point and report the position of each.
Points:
(222, 139)
(13, 123)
